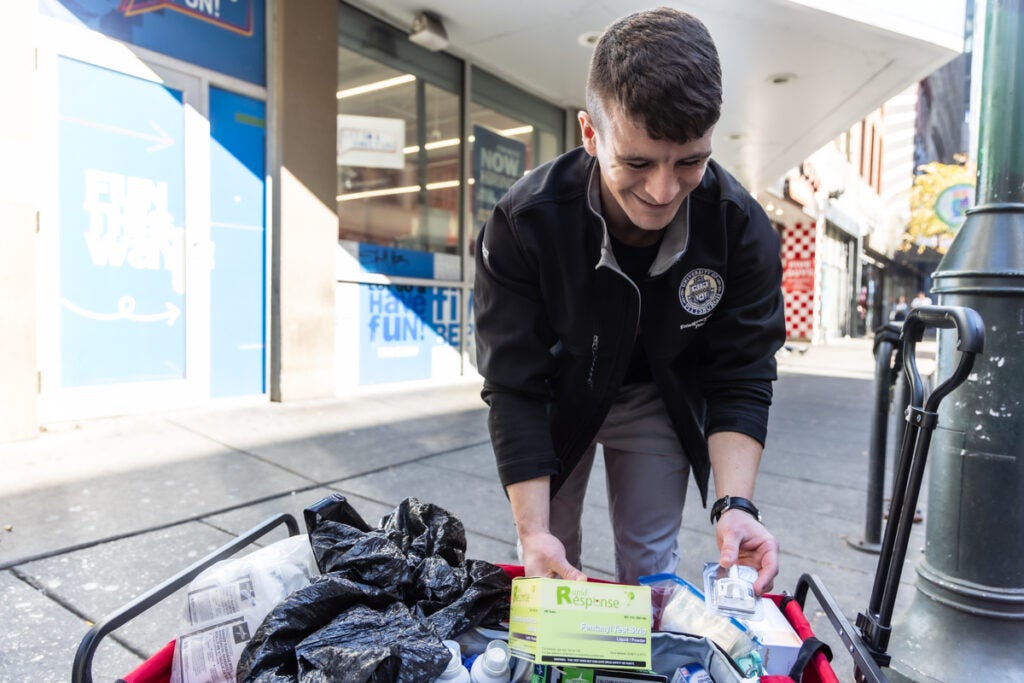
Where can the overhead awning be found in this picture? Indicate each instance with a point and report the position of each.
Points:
(796, 73)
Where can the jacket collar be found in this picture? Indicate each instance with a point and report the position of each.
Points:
(673, 245)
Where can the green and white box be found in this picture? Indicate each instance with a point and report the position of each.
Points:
(553, 621)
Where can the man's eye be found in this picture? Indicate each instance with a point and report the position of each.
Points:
(636, 164)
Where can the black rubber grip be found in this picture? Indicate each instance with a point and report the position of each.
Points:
(967, 322)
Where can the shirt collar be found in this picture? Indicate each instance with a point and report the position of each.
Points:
(673, 244)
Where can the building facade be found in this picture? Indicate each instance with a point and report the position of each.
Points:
(186, 234)
(264, 200)
(846, 257)
(412, 196)
(847, 254)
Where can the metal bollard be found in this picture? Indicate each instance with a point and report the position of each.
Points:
(887, 371)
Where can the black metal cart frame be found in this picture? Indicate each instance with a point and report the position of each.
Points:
(82, 667)
(868, 641)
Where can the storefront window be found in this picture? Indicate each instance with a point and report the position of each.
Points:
(513, 132)
(504, 148)
(398, 158)
(423, 156)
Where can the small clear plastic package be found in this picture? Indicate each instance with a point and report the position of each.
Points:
(678, 606)
(730, 592)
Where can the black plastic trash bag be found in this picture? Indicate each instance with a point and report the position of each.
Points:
(387, 598)
(369, 645)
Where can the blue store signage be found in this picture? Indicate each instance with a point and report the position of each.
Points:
(497, 163)
(223, 35)
(122, 235)
(374, 258)
(401, 326)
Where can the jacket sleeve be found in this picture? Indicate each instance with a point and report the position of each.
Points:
(738, 350)
(513, 346)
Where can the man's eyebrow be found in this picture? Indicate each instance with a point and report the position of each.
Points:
(698, 157)
(638, 158)
(631, 157)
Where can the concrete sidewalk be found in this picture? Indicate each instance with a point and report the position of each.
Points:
(94, 513)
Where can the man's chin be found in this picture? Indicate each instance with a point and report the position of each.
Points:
(648, 224)
(655, 219)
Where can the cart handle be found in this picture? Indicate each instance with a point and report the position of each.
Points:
(966, 321)
(82, 667)
(970, 342)
(922, 419)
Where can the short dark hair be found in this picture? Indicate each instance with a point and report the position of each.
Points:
(661, 68)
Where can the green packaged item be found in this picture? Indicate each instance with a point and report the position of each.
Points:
(579, 623)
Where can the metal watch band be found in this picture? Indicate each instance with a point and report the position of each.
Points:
(733, 502)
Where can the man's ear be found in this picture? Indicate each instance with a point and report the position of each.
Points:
(588, 132)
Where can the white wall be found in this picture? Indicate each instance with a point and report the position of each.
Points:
(18, 364)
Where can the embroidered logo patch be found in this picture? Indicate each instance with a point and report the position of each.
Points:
(700, 291)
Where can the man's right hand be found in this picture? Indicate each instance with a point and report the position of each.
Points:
(544, 555)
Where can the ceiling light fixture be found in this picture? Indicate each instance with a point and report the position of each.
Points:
(518, 130)
(390, 191)
(376, 85)
(451, 142)
(437, 144)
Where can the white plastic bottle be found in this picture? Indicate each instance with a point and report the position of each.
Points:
(491, 666)
(455, 672)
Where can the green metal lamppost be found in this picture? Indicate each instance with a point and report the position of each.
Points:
(966, 621)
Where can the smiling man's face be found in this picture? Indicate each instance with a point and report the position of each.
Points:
(643, 181)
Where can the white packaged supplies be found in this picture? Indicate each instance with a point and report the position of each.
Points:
(227, 603)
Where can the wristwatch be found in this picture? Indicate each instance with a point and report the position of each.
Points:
(730, 502)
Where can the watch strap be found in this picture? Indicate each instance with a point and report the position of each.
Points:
(733, 503)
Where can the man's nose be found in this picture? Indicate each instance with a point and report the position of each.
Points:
(662, 185)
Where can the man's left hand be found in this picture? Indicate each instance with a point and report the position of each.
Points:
(743, 540)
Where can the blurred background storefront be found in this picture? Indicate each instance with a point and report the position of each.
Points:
(212, 201)
(426, 147)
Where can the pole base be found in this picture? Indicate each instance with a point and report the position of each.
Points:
(864, 546)
(933, 643)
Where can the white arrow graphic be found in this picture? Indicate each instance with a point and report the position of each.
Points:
(126, 310)
(159, 137)
(163, 139)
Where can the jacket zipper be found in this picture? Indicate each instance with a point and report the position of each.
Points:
(595, 347)
(636, 290)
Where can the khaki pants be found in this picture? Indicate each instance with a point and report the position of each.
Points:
(647, 474)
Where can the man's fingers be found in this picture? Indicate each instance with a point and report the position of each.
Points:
(544, 555)
(573, 574)
(763, 584)
(729, 552)
(564, 570)
(768, 571)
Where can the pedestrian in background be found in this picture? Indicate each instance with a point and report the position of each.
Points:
(921, 299)
(628, 294)
(900, 309)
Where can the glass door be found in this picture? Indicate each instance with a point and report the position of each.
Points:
(125, 321)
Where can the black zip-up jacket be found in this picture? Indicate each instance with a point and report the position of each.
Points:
(556, 319)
